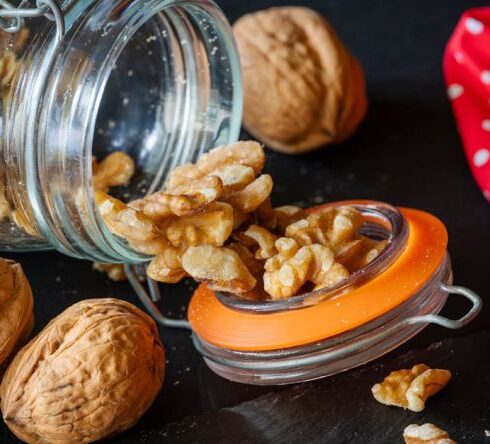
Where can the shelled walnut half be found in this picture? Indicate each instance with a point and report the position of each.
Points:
(302, 88)
(410, 388)
(91, 373)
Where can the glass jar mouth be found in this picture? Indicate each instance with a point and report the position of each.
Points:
(383, 221)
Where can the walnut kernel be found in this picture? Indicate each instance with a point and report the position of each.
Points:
(410, 388)
(221, 268)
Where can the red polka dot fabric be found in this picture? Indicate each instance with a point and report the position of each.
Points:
(467, 75)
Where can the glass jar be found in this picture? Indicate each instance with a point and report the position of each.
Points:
(157, 79)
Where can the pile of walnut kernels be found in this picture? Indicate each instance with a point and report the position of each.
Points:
(214, 222)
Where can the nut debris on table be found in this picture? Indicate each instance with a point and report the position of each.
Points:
(410, 388)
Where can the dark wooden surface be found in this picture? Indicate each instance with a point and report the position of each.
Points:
(408, 153)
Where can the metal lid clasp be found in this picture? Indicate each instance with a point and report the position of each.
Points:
(12, 18)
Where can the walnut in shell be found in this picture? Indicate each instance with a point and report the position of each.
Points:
(302, 88)
(91, 373)
(16, 309)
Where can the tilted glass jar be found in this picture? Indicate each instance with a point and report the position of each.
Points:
(157, 79)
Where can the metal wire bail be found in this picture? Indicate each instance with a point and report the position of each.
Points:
(12, 18)
(135, 274)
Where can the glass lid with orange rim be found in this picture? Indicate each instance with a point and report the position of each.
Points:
(326, 331)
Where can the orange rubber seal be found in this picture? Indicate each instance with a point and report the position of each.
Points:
(224, 327)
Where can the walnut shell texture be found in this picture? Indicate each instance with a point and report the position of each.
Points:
(16, 309)
(91, 373)
(302, 88)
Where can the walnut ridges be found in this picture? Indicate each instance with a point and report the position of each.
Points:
(16, 309)
(91, 373)
(302, 88)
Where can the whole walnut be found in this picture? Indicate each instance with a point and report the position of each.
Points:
(302, 88)
(91, 373)
(16, 309)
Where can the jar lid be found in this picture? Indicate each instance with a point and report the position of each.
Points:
(232, 329)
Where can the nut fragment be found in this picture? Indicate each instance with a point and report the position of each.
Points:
(410, 388)
(212, 227)
(183, 200)
(221, 268)
(182, 174)
(331, 227)
(252, 196)
(254, 265)
(125, 221)
(16, 309)
(167, 266)
(293, 266)
(302, 88)
(278, 218)
(248, 153)
(116, 169)
(91, 373)
(230, 163)
(287, 215)
(115, 272)
(265, 239)
(426, 434)
(235, 177)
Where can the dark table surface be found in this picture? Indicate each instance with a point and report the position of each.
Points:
(408, 153)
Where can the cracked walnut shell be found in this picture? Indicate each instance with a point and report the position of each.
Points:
(302, 88)
(426, 434)
(410, 388)
(91, 373)
(16, 309)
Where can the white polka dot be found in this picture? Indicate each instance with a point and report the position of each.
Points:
(485, 77)
(485, 124)
(455, 90)
(473, 26)
(459, 56)
(486, 194)
(481, 157)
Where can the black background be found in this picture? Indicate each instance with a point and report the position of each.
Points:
(408, 153)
